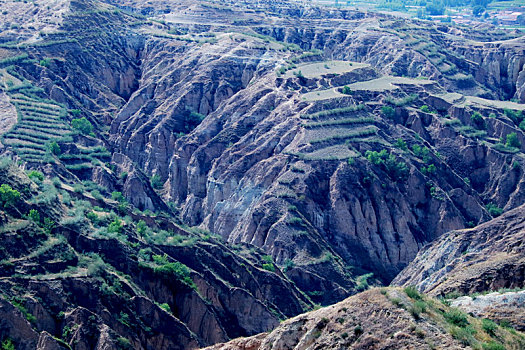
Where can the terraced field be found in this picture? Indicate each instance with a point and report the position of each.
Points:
(328, 134)
(40, 122)
(317, 69)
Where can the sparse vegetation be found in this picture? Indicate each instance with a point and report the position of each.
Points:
(397, 170)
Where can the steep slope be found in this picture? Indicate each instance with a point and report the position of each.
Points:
(239, 115)
(380, 319)
(488, 257)
(87, 272)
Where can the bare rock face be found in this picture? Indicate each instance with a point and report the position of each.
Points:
(371, 319)
(507, 307)
(488, 257)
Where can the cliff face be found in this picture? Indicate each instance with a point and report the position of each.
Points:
(488, 257)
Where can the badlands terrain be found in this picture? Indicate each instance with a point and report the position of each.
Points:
(180, 174)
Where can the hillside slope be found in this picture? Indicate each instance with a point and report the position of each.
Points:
(381, 319)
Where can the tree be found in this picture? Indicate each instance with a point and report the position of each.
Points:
(512, 140)
(346, 90)
(34, 216)
(54, 148)
(156, 182)
(478, 120)
(478, 10)
(8, 196)
(388, 111)
(82, 125)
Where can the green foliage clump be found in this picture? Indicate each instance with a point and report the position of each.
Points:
(422, 152)
(115, 226)
(54, 148)
(429, 170)
(170, 269)
(478, 121)
(82, 125)
(397, 170)
(156, 182)
(142, 228)
(34, 216)
(516, 116)
(512, 140)
(165, 307)
(268, 267)
(457, 318)
(425, 109)
(123, 344)
(118, 196)
(35, 175)
(412, 292)
(465, 335)
(401, 144)
(388, 112)
(7, 344)
(346, 90)
(492, 345)
(288, 265)
(362, 281)
(8, 196)
(417, 309)
(494, 210)
(489, 326)
(192, 120)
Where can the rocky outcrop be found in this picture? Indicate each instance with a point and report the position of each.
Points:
(485, 258)
(371, 319)
(503, 307)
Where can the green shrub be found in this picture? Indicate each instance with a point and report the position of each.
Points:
(464, 335)
(417, 309)
(401, 144)
(457, 318)
(142, 228)
(478, 121)
(115, 226)
(512, 140)
(8, 345)
(54, 148)
(494, 210)
(412, 292)
(175, 269)
(493, 346)
(429, 170)
(117, 196)
(425, 109)
(165, 307)
(515, 116)
(288, 265)
(268, 267)
(35, 175)
(489, 326)
(346, 90)
(82, 125)
(388, 112)
(156, 182)
(8, 196)
(34, 216)
(397, 170)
